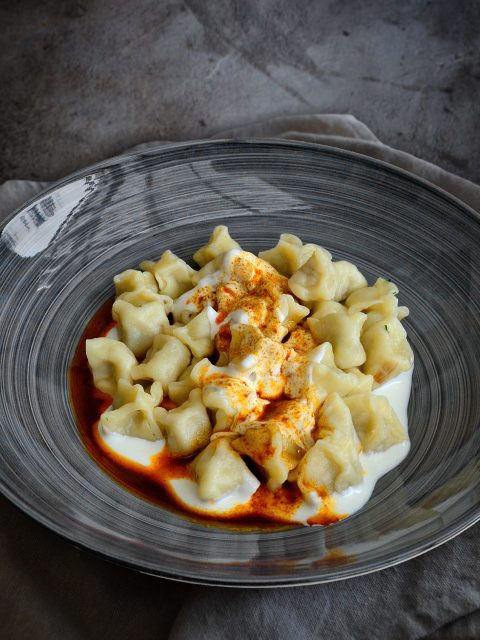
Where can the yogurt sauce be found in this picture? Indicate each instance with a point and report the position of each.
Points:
(375, 465)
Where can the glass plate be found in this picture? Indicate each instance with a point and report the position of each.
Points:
(58, 255)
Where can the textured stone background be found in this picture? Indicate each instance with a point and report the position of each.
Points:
(83, 80)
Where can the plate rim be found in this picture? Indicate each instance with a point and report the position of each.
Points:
(160, 147)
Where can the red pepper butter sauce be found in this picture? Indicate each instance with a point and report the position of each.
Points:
(265, 510)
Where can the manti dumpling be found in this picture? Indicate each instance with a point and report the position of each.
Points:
(164, 362)
(220, 470)
(134, 415)
(110, 361)
(381, 298)
(186, 428)
(173, 275)
(220, 242)
(179, 390)
(289, 312)
(272, 445)
(289, 254)
(321, 279)
(333, 463)
(387, 350)
(375, 422)
(197, 335)
(265, 357)
(329, 379)
(331, 323)
(298, 372)
(140, 315)
(132, 280)
(233, 400)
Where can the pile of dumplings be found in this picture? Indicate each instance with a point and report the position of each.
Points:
(269, 359)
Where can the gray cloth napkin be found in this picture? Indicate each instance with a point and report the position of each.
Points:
(48, 589)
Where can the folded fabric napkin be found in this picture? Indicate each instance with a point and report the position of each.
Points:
(49, 589)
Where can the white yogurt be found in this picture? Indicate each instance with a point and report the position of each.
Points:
(134, 449)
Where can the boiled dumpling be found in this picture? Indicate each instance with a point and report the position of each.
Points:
(110, 361)
(343, 331)
(187, 428)
(329, 379)
(273, 446)
(251, 351)
(173, 275)
(301, 339)
(333, 463)
(197, 335)
(165, 361)
(381, 297)
(289, 312)
(220, 242)
(289, 254)
(387, 350)
(315, 280)
(347, 279)
(140, 315)
(134, 415)
(220, 470)
(321, 279)
(179, 390)
(375, 422)
(132, 280)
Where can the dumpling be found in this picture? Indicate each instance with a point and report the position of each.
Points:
(134, 415)
(375, 422)
(327, 307)
(343, 331)
(110, 361)
(330, 379)
(253, 309)
(333, 463)
(301, 339)
(348, 278)
(165, 361)
(173, 275)
(220, 242)
(387, 350)
(220, 470)
(289, 254)
(380, 299)
(140, 315)
(179, 390)
(321, 279)
(187, 428)
(289, 312)
(297, 370)
(273, 446)
(381, 295)
(256, 275)
(315, 280)
(260, 356)
(132, 280)
(296, 415)
(197, 335)
(233, 399)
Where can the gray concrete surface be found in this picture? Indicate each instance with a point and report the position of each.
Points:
(81, 80)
